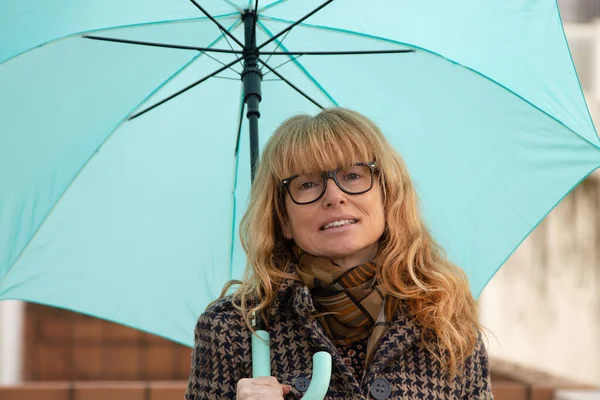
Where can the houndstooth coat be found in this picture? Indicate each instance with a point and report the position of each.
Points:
(401, 367)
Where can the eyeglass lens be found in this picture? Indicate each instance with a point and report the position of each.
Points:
(307, 188)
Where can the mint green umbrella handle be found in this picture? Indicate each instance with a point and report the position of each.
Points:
(261, 354)
(261, 366)
(321, 376)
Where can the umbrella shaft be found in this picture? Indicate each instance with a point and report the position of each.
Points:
(253, 119)
(251, 78)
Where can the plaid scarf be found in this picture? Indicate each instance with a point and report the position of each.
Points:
(359, 306)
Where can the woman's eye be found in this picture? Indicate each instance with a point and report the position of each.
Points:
(306, 185)
(352, 176)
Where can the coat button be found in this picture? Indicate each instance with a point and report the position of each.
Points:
(302, 384)
(381, 389)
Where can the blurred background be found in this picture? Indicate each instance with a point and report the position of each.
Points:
(541, 311)
(542, 308)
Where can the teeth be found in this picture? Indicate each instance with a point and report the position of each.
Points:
(337, 224)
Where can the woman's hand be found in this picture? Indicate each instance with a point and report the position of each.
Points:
(263, 388)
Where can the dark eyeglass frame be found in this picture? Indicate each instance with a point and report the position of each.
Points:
(332, 174)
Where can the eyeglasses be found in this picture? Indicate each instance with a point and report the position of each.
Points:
(308, 188)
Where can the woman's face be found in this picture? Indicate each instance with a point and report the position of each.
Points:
(349, 244)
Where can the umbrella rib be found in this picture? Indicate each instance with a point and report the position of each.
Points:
(295, 23)
(205, 50)
(336, 53)
(185, 89)
(301, 67)
(297, 89)
(222, 63)
(229, 43)
(167, 45)
(282, 64)
(221, 27)
(232, 51)
(279, 42)
(226, 78)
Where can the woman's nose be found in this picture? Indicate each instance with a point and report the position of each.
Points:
(333, 194)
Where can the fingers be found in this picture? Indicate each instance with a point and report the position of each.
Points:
(263, 388)
(286, 389)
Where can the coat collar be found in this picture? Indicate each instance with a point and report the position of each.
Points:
(294, 301)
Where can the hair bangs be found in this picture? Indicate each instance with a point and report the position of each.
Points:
(318, 145)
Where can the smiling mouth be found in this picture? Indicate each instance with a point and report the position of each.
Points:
(337, 224)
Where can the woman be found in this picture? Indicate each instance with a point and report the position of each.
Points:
(339, 260)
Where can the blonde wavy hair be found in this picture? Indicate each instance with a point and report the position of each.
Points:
(413, 268)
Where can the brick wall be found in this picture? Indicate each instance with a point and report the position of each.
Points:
(65, 346)
(95, 391)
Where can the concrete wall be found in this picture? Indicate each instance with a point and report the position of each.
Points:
(542, 309)
(579, 11)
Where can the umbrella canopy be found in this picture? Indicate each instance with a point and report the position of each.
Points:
(135, 220)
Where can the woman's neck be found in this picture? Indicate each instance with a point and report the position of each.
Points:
(358, 258)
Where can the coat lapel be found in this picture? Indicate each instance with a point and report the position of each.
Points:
(295, 302)
(398, 338)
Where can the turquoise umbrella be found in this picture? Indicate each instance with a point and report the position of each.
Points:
(124, 150)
